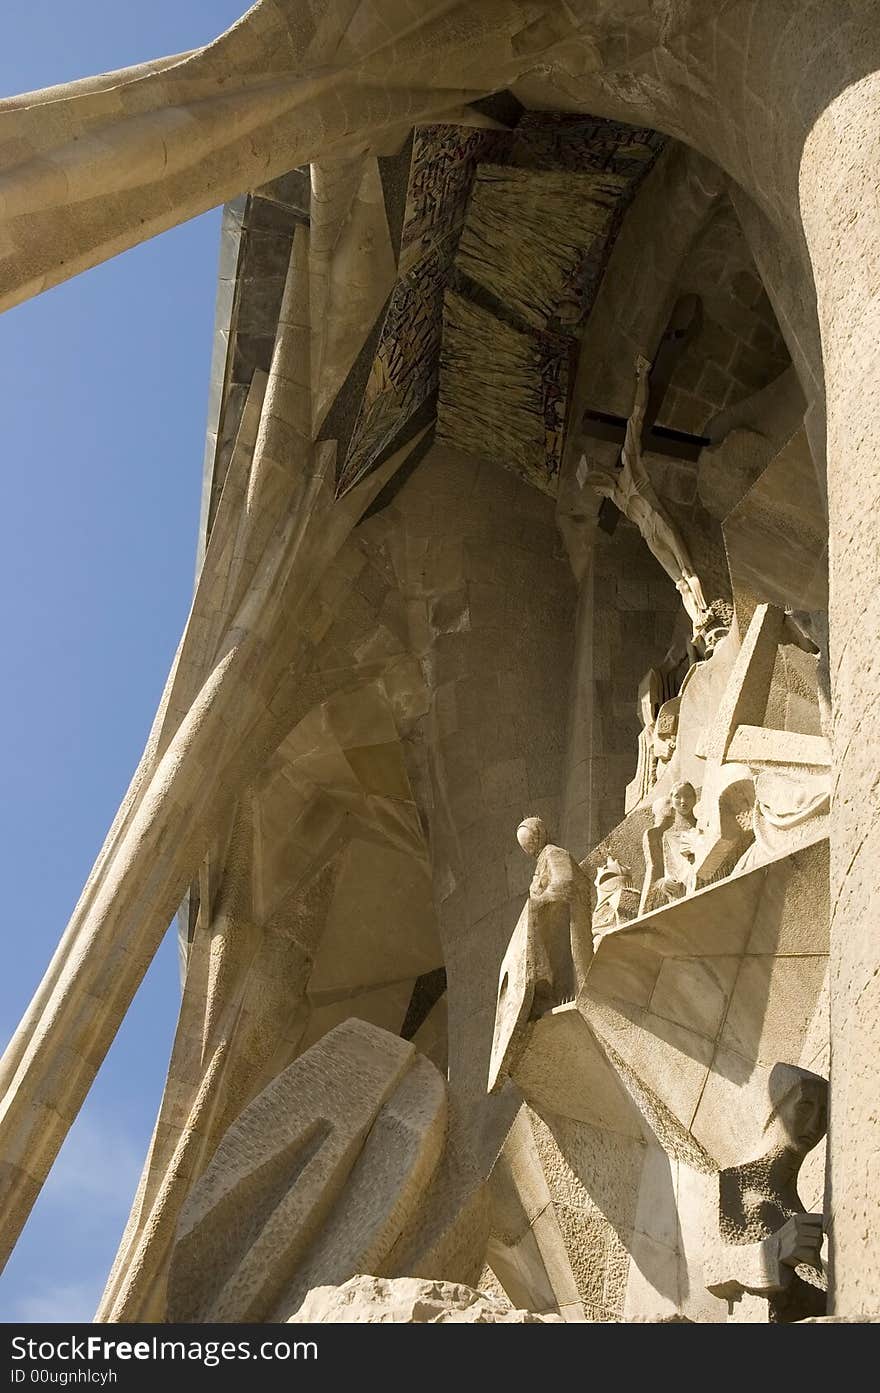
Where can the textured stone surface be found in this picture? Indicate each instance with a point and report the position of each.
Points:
(318, 1175)
(412, 1301)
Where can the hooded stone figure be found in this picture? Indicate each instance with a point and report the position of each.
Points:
(769, 1245)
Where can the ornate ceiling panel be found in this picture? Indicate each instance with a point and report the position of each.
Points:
(499, 232)
(505, 235)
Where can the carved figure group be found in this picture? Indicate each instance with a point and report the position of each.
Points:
(616, 899)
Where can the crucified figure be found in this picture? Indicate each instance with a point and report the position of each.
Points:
(630, 489)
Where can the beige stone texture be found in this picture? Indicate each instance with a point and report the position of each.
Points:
(406, 1299)
(345, 1106)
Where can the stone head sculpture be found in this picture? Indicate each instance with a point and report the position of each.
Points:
(683, 797)
(798, 1118)
(532, 835)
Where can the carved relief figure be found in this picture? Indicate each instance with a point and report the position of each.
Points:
(715, 627)
(658, 708)
(559, 915)
(631, 490)
(665, 734)
(617, 900)
(784, 804)
(651, 690)
(645, 777)
(769, 1245)
(724, 825)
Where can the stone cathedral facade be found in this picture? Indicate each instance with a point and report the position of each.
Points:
(516, 782)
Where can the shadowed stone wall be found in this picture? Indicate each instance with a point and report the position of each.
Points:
(490, 600)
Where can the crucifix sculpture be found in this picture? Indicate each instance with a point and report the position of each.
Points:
(684, 325)
(627, 485)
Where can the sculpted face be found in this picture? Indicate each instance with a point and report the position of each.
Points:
(803, 1114)
(532, 835)
(683, 798)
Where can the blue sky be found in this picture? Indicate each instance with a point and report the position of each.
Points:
(104, 393)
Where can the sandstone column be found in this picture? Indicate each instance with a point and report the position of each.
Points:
(841, 213)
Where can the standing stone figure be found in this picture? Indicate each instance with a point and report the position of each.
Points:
(768, 1244)
(559, 915)
(631, 490)
(658, 712)
(549, 951)
(678, 857)
(668, 848)
(662, 816)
